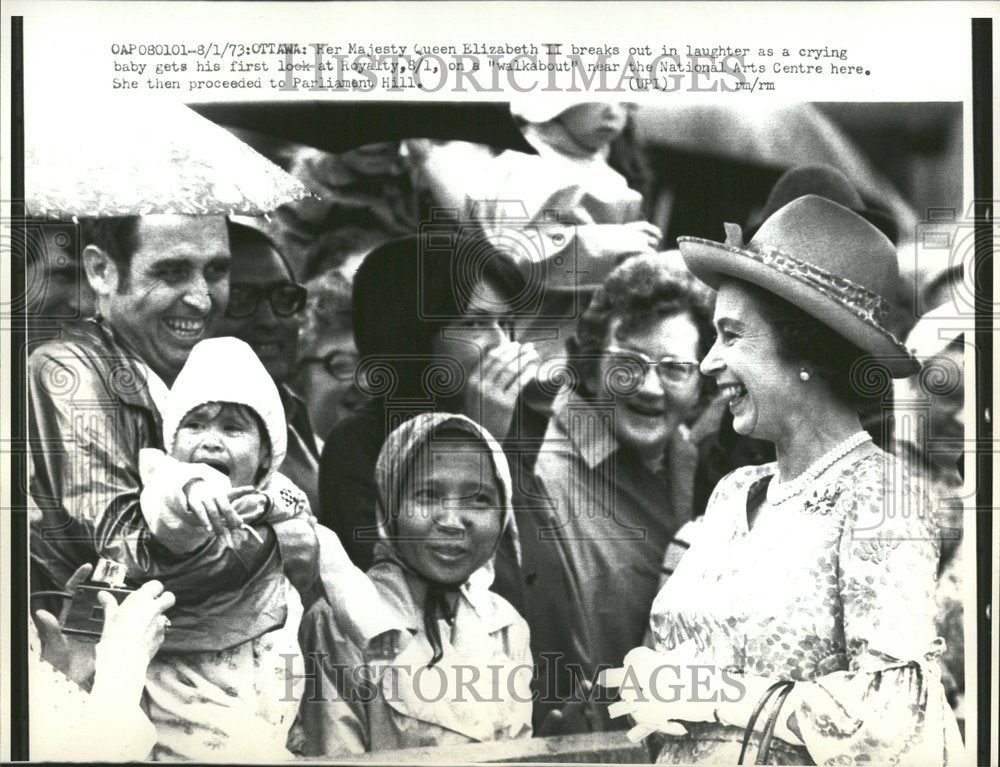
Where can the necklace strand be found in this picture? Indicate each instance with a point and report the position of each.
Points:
(785, 491)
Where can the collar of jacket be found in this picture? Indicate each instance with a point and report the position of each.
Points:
(392, 583)
(595, 443)
(297, 417)
(433, 695)
(123, 372)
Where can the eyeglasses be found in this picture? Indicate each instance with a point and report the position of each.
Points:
(286, 298)
(634, 365)
(338, 364)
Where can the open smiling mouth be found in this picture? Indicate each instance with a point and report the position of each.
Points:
(267, 348)
(446, 552)
(734, 393)
(185, 327)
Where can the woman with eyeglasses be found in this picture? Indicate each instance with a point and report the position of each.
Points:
(613, 478)
(328, 358)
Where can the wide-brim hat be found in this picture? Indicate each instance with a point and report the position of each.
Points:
(824, 259)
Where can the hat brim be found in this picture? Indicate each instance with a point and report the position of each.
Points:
(712, 262)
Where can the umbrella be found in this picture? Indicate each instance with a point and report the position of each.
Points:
(142, 157)
(336, 126)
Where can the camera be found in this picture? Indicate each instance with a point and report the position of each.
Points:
(85, 616)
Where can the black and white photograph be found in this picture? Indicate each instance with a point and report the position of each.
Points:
(460, 390)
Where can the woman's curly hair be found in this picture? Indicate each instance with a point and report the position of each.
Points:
(640, 290)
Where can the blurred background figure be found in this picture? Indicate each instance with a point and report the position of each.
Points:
(582, 193)
(265, 310)
(928, 434)
(340, 250)
(368, 190)
(566, 215)
(327, 358)
(56, 291)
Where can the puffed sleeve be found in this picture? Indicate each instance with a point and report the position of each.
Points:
(294, 525)
(889, 706)
(164, 502)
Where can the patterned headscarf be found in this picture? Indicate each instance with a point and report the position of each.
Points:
(395, 465)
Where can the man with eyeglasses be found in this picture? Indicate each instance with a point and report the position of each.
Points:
(614, 477)
(265, 310)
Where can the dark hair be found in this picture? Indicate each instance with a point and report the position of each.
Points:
(629, 158)
(242, 235)
(331, 249)
(118, 236)
(407, 289)
(638, 291)
(804, 339)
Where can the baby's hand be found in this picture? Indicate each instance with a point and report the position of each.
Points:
(212, 504)
(252, 507)
(642, 235)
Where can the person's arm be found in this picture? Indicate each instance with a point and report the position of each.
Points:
(284, 507)
(85, 480)
(164, 499)
(889, 705)
(107, 724)
(333, 715)
(347, 485)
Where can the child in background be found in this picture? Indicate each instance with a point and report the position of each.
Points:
(566, 198)
(565, 215)
(444, 498)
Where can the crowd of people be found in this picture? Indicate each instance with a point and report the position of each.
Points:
(361, 483)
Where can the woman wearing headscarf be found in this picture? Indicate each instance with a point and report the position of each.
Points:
(456, 667)
(432, 330)
(818, 569)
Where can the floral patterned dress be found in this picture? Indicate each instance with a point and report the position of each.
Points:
(834, 589)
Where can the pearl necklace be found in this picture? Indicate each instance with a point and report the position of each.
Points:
(778, 494)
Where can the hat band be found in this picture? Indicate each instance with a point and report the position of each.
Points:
(865, 304)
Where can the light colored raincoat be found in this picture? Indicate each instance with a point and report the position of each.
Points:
(380, 693)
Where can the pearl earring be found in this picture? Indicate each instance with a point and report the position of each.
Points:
(804, 375)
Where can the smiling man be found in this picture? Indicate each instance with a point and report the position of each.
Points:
(265, 310)
(95, 395)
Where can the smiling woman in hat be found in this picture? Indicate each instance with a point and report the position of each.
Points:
(817, 569)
